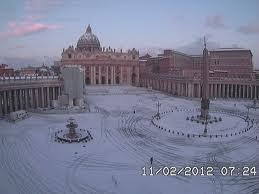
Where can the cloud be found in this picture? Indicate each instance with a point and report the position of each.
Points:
(215, 22)
(41, 6)
(249, 28)
(24, 28)
(195, 47)
(17, 47)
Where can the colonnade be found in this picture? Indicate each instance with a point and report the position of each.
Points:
(27, 98)
(193, 88)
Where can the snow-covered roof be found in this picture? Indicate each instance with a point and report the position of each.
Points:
(230, 49)
(220, 71)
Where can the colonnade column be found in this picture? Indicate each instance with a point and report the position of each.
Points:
(48, 96)
(20, 99)
(227, 91)
(211, 90)
(220, 90)
(31, 98)
(15, 100)
(10, 101)
(255, 91)
(42, 98)
(59, 91)
(223, 90)
(236, 91)
(247, 91)
(53, 93)
(199, 90)
(1, 106)
(26, 99)
(37, 97)
(243, 91)
(214, 90)
(5, 101)
(239, 91)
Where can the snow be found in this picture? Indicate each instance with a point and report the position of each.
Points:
(31, 162)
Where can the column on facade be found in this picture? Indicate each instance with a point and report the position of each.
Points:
(107, 75)
(121, 74)
(179, 88)
(129, 75)
(191, 90)
(94, 74)
(114, 75)
(199, 90)
(99, 75)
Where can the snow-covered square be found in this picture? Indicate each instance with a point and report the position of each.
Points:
(125, 136)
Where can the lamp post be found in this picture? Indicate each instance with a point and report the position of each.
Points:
(247, 112)
(158, 105)
(205, 129)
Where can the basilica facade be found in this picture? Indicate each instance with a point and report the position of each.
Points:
(102, 65)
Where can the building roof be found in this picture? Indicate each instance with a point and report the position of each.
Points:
(230, 49)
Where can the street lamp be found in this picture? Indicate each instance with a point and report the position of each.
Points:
(247, 112)
(158, 105)
(205, 129)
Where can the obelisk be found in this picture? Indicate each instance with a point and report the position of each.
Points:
(205, 102)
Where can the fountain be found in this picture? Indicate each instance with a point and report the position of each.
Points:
(71, 135)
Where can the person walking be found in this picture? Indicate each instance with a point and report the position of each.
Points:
(151, 160)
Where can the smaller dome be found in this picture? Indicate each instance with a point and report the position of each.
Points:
(88, 41)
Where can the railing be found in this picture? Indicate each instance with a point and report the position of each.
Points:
(27, 79)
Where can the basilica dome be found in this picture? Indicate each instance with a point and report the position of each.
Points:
(88, 41)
